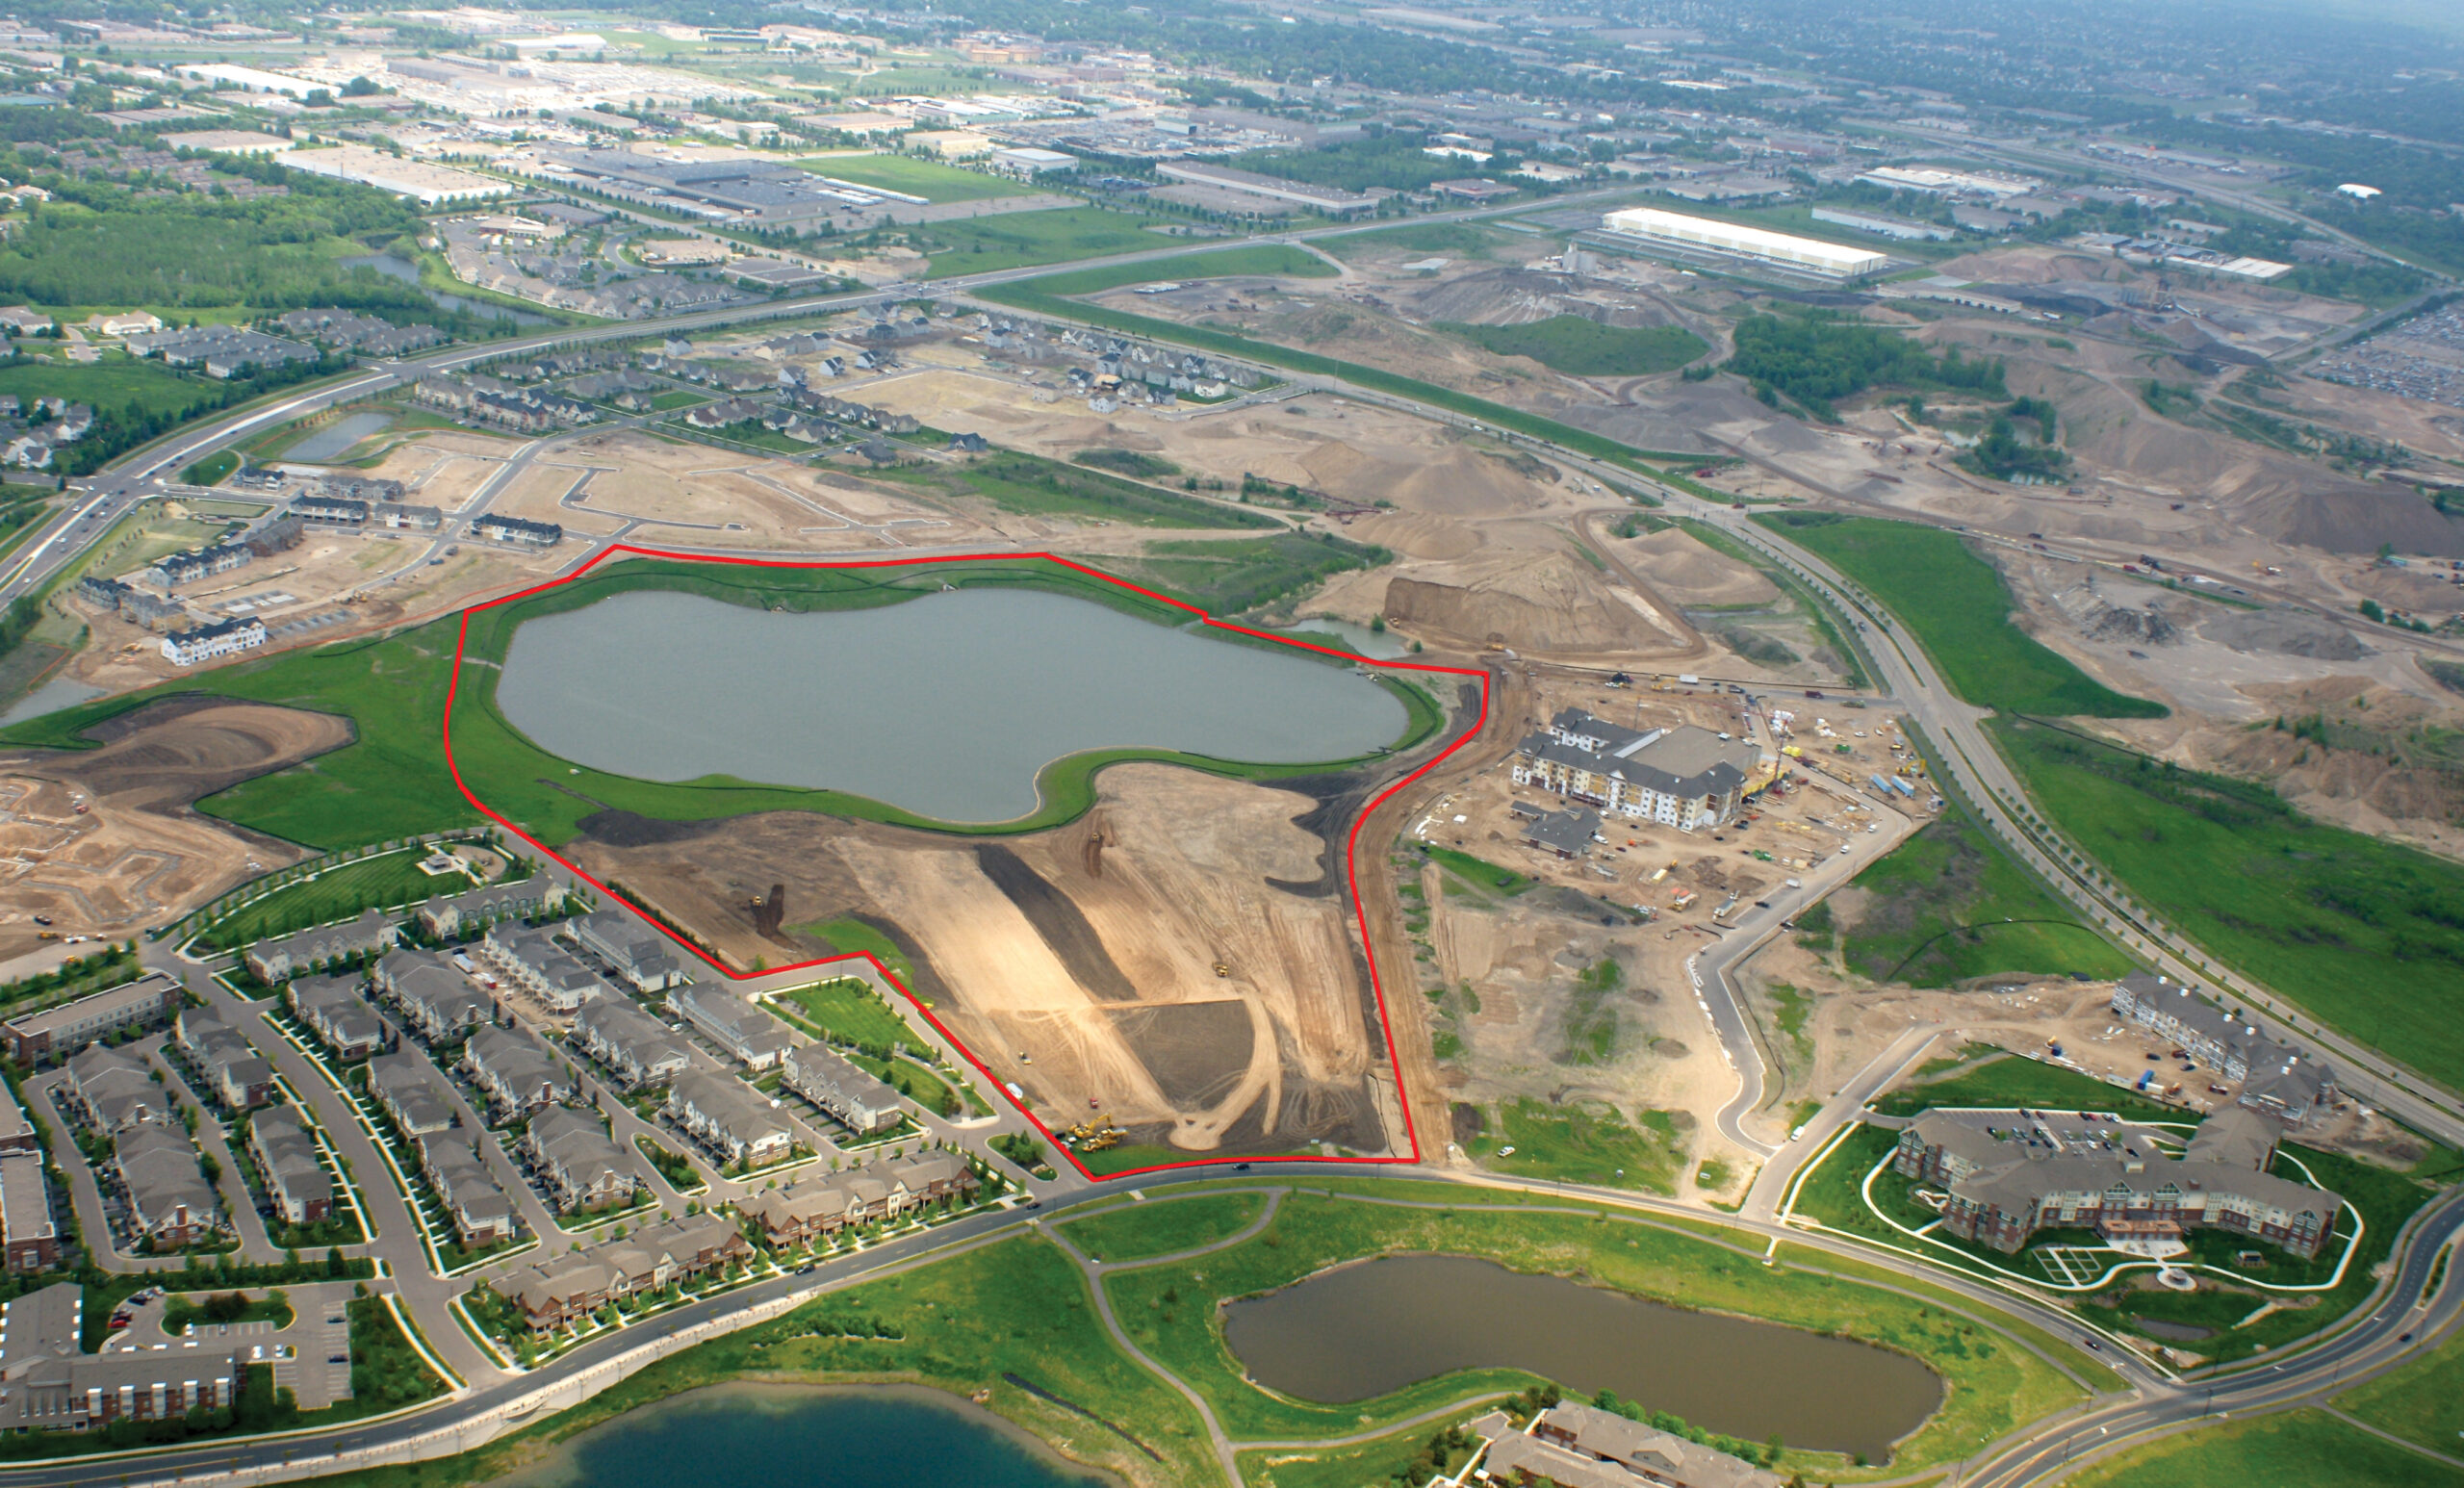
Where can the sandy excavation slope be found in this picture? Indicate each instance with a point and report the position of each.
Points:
(1079, 963)
(140, 853)
(1682, 570)
(1553, 604)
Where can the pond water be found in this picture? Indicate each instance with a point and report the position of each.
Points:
(326, 443)
(1368, 1329)
(947, 706)
(1377, 644)
(49, 698)
(793, 1436)
(402, 268)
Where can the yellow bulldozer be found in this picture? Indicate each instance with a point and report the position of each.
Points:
(1093, 1136)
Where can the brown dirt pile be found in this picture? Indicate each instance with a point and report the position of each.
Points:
(1549, 602)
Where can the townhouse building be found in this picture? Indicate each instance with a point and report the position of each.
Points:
(235, 1075)
(851, 1097)
(742, 1030)
(274, 961)
(637, 1048)
(168, 1200)
(114, 1090)
(638, 953)
(527, 959)
(436, 1000)
(279, 1143)
(820, 1205)
(412, 1093)
(579, 1162)
(331, 1008)
(514, 1071)
(444, 917)
(481, 1212)
(56, 1033)
(564, 1292)
(730, 1118)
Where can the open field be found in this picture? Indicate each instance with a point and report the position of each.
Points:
(1034, 486)
(1948, 905)
(1137, 1232)
(2423, 1401)
(936, 183)
(1587, 349)
(2022, 1082)
(2360, 933)
(1960, 610)
(1572, 1144)
(1019, 239)
(2297, 1447)
(1256, 260)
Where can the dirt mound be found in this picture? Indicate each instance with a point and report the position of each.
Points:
(1452, 482)
(2287, 633)
(1519, 296)
(2354, 752)
(2095, 615)
(1551, 603)
(1433, 538)
(1686, 573)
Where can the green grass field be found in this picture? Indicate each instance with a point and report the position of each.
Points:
(1034, 486)
(1948, 905)
(1586, 348)
(2305, 1447)
(336, 894)
(109, 385)
(1235, 577)
(1959, 609)
(2423, 1401)
(935, 182)
(1478, 872)
(1577, 1143)
(212, 470)
(848, 936)
(1460, 239)
(845, 1012)
(2362, 933)
(1020, 240)
(2014, 1081)
(1138, 1231)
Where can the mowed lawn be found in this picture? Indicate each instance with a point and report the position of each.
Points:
(1959, 609)
(2366, 936)
(338, 893)
(2304, 1449)
(2423, 1401)
(936, 183)
(1019, 239)
(1257, 258)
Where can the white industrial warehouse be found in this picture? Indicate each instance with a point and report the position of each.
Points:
(1704, 235)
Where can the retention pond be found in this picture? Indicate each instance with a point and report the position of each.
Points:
(1364, 1330)
(947, 706)
(792, 1436)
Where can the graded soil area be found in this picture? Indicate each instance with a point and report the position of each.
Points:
(1080, 964)
(105, 842)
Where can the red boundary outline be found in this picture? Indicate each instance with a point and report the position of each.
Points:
(1352, 843)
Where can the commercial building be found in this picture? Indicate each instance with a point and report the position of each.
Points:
(1651, 227)
(275, 962)
(1686, 777)
(2008, 1178)
(52, 1385)
(746, 1033)
(580, 1165)
(221, 638)
(148, 1002)
(1933, 182)
(730, 1118)
(845, 1093)
(2274, 1077)
(1883, 224)
(286, 1158)
(428, 185)
(1274, 190)
(636, 1047)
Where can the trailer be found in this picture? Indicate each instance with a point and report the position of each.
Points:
(1901, 786)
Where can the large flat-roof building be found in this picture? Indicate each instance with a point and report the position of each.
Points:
(1684, 777)
(1653, 227)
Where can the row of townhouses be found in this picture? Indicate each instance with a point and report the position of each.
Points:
(285, 1153)
(563, 1292)
(820, 1205)
(579, 1162)
(232, 1072)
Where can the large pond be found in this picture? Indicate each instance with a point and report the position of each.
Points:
(946, 706)
(788, 1436)
(1367, 1329)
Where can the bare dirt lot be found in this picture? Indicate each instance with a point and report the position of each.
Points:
(1081, 963)
(107, 841)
